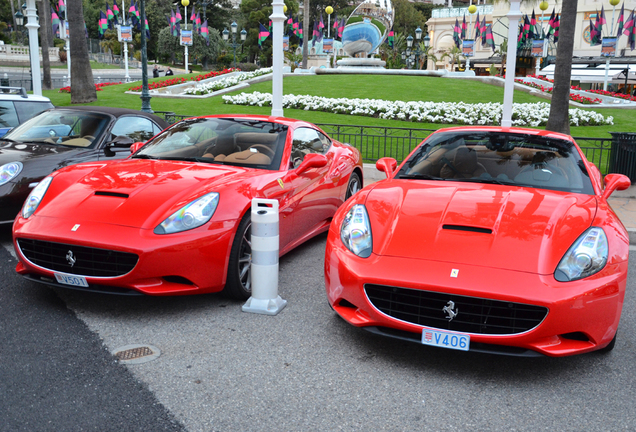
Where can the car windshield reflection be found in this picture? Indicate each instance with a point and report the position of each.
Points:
(241, 142)
(499, 158)
(59, 127)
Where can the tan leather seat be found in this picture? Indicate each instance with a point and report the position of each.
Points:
(461, 163)
(249, 157)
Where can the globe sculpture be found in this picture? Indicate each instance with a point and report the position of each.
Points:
(367, 27)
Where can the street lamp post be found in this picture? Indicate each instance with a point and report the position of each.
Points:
(543, 6)
(185, 4)
(418, 37)
(511, 58)
(409, 44)
(31, 28)
(427, 43)
(122, 21)
(607, 62)
(145, 94)
(234, 27)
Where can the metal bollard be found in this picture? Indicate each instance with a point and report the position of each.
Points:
(264, 272)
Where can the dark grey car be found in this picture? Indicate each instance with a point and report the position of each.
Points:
(66, 136)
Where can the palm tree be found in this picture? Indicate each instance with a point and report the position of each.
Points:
(503, 52)
(454, 53)
(426, 54)
(82, 85)
(559, 120)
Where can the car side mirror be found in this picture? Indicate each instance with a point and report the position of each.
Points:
(312, 160)
(119, 144)
(386, 165)
(136, 146)
(615, 182)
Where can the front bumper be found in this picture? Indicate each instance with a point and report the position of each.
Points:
(582, 316)
(189, 262)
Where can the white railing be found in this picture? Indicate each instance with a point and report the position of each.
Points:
(20, 53)
(459, 12)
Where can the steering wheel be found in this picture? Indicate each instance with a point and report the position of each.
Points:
(264, 149)
(542, 165)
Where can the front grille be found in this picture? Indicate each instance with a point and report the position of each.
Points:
(86, 261)
(474, 315)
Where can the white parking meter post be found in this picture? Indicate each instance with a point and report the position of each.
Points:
(264, 268)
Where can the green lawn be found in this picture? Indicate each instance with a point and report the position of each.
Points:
(406, 88)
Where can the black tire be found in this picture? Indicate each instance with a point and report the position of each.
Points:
(238, 284)
(355, 184)
(610, 346)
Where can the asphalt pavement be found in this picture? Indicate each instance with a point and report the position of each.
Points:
(221, 369)
(57, 375)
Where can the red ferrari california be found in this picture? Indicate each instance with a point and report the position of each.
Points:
(174, 218)
(485, 239)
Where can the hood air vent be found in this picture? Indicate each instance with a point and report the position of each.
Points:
(467, 228)
(111, 194)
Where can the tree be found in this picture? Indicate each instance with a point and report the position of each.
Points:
(46, 38)
(559, 119)
(306, 32)
(109, 43)
(454, 53)
(502, 51)
(82, 85)
(426, 55)
(407, 17)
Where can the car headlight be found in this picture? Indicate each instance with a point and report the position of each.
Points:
(191, 215)
(588, 255)
(9, 171)
(355, 231)
(35, 197)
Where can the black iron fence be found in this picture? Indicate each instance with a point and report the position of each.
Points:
(597, 151)
(375, 142)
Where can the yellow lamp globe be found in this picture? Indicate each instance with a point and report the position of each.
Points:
(285, 8)
(614, 2)
(329, 10)
(185, 3)
(472, 9)
(544, 5)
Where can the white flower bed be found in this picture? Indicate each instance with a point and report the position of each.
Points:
(226, 82)
(459, 113)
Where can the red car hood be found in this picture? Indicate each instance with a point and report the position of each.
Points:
(521, 229)
(138, 193)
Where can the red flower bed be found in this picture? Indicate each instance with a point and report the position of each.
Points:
(574, 97)
(98, 87)
(173, 81)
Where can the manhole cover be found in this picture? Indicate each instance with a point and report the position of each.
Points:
(137, 353)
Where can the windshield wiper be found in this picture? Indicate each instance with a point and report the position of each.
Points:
(419, 177)
(487, 181)
(189, 159)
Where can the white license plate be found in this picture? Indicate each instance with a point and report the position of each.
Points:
(445, 339)
(68, 279)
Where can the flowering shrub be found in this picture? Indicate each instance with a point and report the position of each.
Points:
(573, 96)
(612, 94)
(226, 82)
(174, 81)
(98, 87)
(160, 84)
(459, 113)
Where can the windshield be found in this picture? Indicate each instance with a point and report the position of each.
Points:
(62, 127)
(500, 158)
(241, 142)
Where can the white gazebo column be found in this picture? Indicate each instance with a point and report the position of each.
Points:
(34, 49)
(277, 17)
(513, 23)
